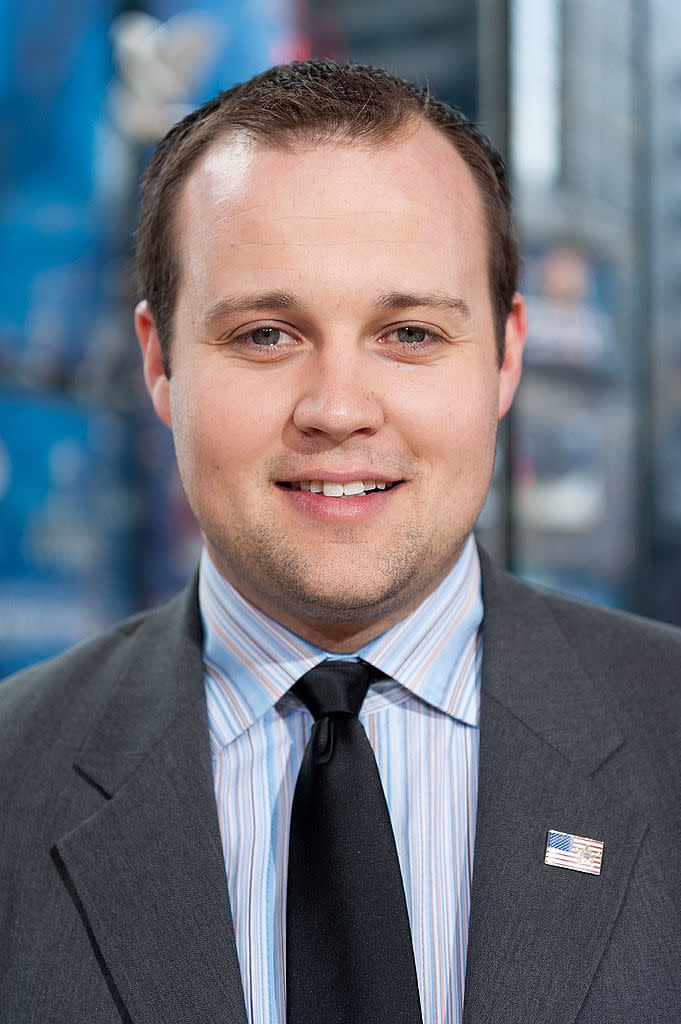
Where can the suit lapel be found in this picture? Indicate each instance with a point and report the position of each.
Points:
(146, 871)
(537, 933)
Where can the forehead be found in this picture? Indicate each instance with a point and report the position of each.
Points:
(419, 168)
(411, 199)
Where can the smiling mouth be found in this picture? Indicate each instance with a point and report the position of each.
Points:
(332, 489)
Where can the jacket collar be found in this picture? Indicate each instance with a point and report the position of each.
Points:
(532, 670)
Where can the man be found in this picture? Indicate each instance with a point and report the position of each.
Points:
(332, 331)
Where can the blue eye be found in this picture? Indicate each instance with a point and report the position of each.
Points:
(265, 336)
(411, 335)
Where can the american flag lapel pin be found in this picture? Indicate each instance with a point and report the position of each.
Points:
(574, 852)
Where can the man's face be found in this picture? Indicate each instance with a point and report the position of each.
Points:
(334, 325)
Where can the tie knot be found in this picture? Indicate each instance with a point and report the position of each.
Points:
(334, 687)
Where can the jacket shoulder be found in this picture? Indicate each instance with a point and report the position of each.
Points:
(53, 702)
(638, 660)
(612, 632)
(632, 660)
(617, 638)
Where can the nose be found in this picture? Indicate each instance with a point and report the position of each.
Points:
(339, 396)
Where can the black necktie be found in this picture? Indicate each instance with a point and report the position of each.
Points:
(349, 955)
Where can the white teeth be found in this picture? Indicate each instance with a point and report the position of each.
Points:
(331, 489)
(354, 487)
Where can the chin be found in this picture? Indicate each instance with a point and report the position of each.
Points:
(348, 604)
(359, 600)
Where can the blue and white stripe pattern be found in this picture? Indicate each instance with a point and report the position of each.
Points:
(423, 726)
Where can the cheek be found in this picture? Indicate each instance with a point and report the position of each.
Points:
(458, 420)
(220, 427)
(198, 431)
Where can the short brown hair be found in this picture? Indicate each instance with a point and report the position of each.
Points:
(313, 101)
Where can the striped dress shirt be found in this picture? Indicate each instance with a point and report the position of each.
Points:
(422, 724)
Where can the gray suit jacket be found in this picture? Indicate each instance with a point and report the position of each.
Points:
(114, 903)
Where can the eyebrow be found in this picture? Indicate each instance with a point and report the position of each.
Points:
(385, 301)
(259, 302)
(430, 300)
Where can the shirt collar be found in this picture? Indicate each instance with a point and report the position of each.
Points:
(251, 661)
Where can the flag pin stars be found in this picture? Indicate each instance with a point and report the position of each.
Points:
(574, 852)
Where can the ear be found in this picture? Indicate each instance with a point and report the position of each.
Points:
(511, 368)
(154, 374)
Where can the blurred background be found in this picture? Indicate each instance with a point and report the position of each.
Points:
(583, 97)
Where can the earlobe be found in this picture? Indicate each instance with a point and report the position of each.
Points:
(154, 374)
(511, 369)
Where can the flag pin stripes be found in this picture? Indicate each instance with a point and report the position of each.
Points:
(574, 852)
